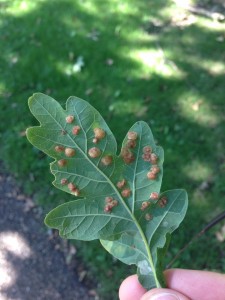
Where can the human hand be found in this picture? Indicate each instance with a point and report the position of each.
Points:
(182, 285)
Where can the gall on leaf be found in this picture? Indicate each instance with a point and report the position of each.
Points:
(76, 192)
(162, 202)
(62, 163)
(127, 156)
(120, 184)
(107, 160)
(155, 169)
(114, 203)
(108, 199)
(99, 133)
(153, 158)
(145, 204)
(76, 130)
(126, 193)
(69, 119)
(112, 206)
(59, 149)
(147, 149)
(108, 208)
(72, 187)
(131, 144)
(69, 152)
(151, 175)
(154, 196)
(94, 152)
(147, 157)
(64, 181)
(132, 135)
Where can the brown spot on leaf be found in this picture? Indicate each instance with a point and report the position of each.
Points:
(64, 181)
(69, 152)
(59, 149)
(145, 205)
(154, 158)
(148, 217)
(162, 202)
(151, 176)
(127, 155)
(154, 196)
(132, 135)
(99, 133)
(121, 184)
(108, 199)
(131, 144)
(107, 209)
(126, 193)
(71, 187)
(94, 152)
(147, 149)
(107, 160)
(155, 169)
(76, 130)
(69, 119)
(62, 162)
(95, 140)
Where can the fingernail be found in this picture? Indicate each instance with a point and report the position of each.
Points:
(163, 296)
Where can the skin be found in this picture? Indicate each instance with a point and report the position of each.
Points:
(182, 285)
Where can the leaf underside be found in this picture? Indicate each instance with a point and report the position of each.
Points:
(114, 195)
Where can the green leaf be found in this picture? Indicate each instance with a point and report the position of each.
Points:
(116, 193)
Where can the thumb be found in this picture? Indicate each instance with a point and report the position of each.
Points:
(164, 294)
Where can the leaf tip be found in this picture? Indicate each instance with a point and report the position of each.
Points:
(32, 98)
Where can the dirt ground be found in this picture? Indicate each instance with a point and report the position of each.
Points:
(32, 265)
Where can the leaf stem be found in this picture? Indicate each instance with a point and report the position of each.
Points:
(148, 251)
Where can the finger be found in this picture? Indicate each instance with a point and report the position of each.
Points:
(197, 284)
(164, 294)
(193, 284)
(131, 289)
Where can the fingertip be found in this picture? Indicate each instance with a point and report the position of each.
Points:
(164, 294)
(131, 289)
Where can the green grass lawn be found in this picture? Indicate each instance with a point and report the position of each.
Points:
(133, 60)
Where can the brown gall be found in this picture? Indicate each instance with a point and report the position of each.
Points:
(59, 149)
(126, 193)
(62, 162)
(94, 152)
(132, 135)
(99, 133)
(107, 160)
(69, 152)
(69, 119)
(76, 130)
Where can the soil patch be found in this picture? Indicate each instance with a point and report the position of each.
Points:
(31, 267)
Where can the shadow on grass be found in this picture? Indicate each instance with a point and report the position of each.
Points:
(173, 78)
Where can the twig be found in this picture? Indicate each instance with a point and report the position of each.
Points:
(211, 224)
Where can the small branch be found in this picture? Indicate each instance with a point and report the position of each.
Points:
(211, 224)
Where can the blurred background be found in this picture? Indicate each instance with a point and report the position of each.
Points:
(159, 61)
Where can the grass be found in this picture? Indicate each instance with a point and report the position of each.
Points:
(147, 61)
